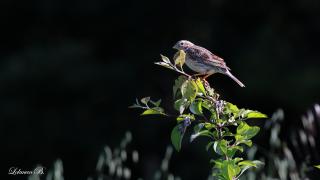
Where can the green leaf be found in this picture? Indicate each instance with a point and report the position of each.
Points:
(179, 58)
(200, 133)
(207, 105)
(189, 90)
(209, 145)
(209, 126)
(256, 114)
(177, 84)
(145, 100)
(229, 169)
(200, 86)
(232, 150)
(246, 131)
(183, 116)
(231, 108)
(247, 163)
(196, 107)
(180, 105)
(153, 111)
(220, 147)
(317, 166)
(176, 136)
(240, 140)
(247, 114)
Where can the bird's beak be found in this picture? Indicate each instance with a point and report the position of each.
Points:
(175, 46)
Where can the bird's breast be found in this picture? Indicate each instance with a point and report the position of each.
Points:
(197, 65)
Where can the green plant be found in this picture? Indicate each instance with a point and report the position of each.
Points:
(198, 105)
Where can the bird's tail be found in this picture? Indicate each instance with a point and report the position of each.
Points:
(235, 79)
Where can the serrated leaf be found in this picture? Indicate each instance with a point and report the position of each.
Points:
(179, 58)
(177, 136)
(196, 107)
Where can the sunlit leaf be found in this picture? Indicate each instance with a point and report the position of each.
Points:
(246, 131)
(256, 114)
(189, 90)
(184, 116)
(231, 108)
(200, 86)
(317, 166)
(165, 59)
(153, 111)
(229, 169)
(164, 65)
(251, 114)
(247, 163)
(179, 58)
(220, 147)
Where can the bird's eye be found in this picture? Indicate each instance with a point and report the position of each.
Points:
(181, 43)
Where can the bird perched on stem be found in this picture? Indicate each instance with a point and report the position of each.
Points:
(203, 61)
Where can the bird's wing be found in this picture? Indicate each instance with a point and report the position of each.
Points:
(197, 52)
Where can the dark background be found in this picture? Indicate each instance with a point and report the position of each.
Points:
(70, 69)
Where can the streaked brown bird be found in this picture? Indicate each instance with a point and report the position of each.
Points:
(203, 61)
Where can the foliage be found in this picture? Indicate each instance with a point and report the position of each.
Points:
(198, 105)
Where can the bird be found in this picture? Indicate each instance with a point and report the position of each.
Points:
(204, 62)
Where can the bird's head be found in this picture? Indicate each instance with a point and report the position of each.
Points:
(183, 45)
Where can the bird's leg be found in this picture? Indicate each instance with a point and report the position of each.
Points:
(205, 77)
(196, 75)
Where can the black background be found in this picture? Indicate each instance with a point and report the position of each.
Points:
(70, 69)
